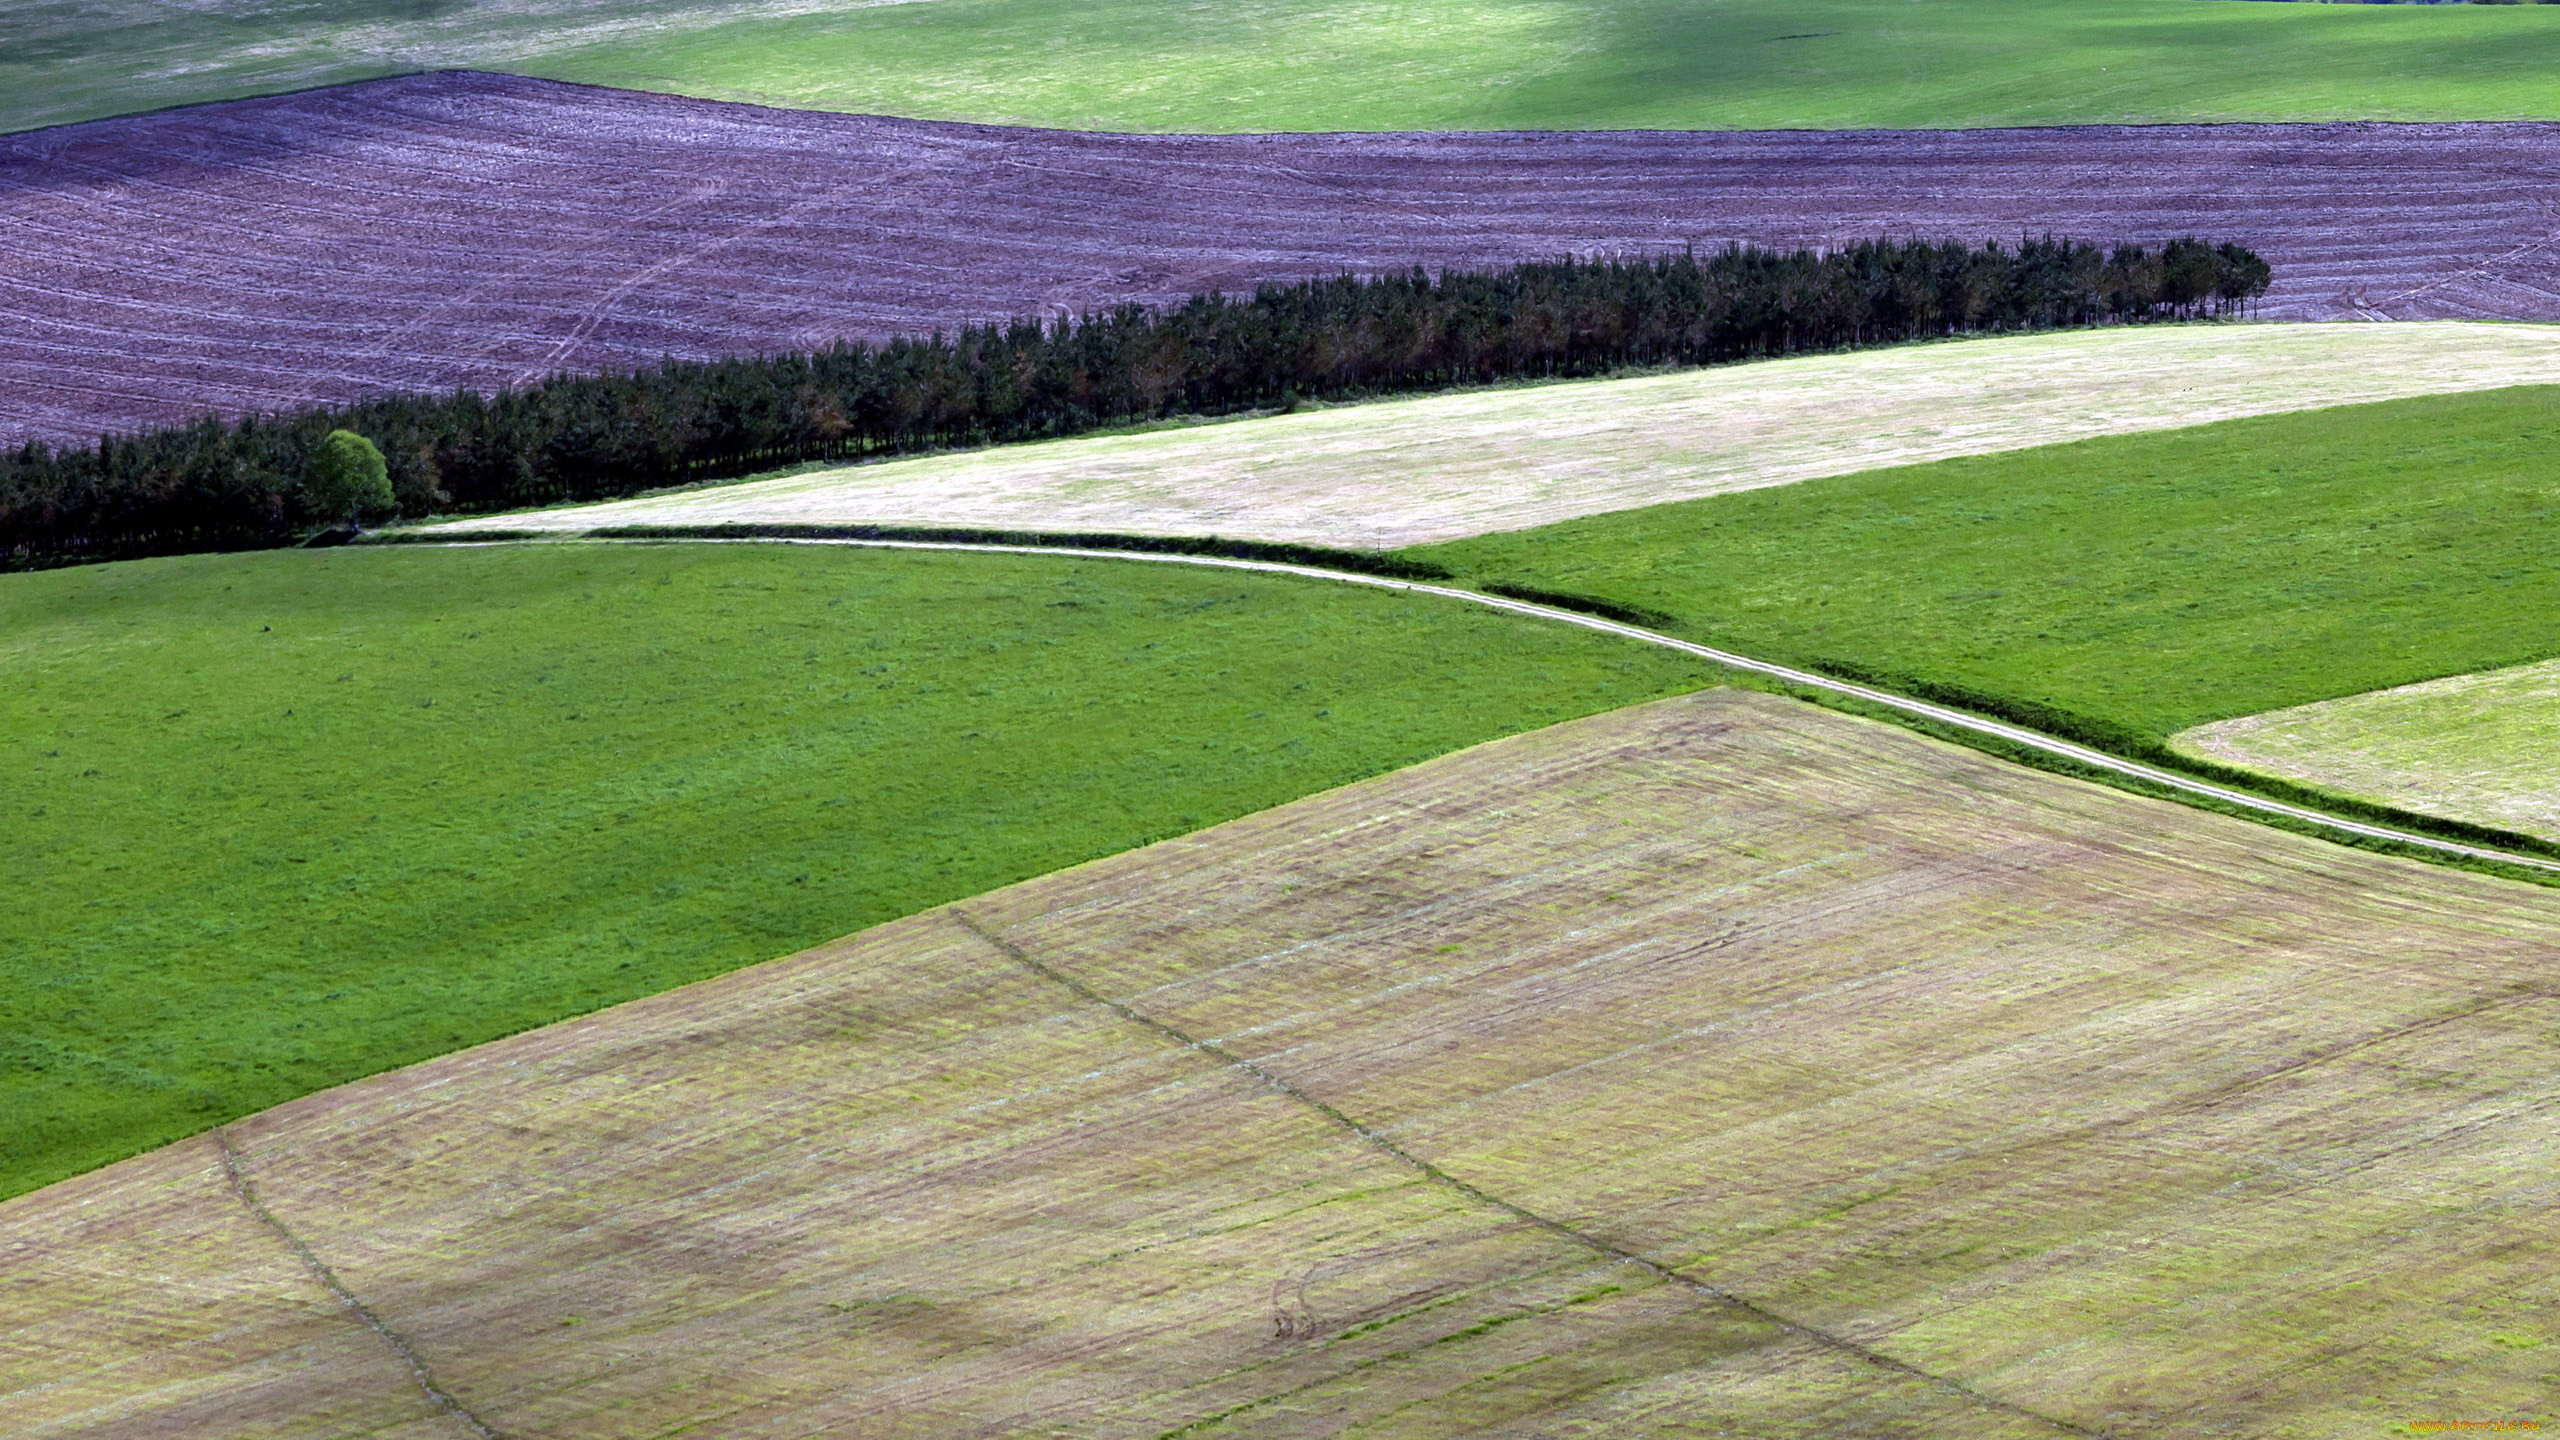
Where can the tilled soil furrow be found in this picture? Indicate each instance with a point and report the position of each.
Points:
(444, 209)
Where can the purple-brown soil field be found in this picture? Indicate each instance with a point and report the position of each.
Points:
(474, 230)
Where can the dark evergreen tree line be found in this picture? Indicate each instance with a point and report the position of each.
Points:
(215, 485)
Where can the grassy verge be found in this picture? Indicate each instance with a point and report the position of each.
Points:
(282, 820)
(2121, 590)
(1348, 64)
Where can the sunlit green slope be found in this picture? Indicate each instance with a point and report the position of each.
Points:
(1344, 64)
(276, 821)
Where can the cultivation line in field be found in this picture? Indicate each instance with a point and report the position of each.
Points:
(1787, 674)
(1334, 1115)
(329, 1281)
(164, 266)
(2129, 1114)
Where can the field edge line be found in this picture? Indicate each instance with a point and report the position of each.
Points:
(1336, 1116)
(328, 1278)
(2187, 789)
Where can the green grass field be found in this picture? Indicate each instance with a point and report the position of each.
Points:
(2473, 747)
(278, 821)
(2143, 583)
(1345, 64)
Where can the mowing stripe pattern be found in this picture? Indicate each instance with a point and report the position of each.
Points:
(1392, 473)
(436, 1394)
(2142, 1119)
(1213, 1051)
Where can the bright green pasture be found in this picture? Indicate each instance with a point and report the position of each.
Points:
(278, 821)
(2145, 583)
(1344, 64)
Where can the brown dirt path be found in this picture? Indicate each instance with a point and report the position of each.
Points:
(2145, 1120)
(472, 230)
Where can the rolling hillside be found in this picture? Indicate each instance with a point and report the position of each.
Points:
(1217, 1003)
(283, 820)
(1718, 1063)
(1339, 64)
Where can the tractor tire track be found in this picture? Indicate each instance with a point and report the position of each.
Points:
(436, 1394)
(1212, 1050)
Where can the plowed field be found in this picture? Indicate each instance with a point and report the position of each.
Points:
(472, 230)
(1721, 1065)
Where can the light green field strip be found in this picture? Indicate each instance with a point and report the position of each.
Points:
(63, 61)
(2146, 1121)
(1342, 64)
(2483, 748)
(1442, 467)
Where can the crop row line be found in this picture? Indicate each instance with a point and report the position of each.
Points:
(1212, 1050)
(2017, 735)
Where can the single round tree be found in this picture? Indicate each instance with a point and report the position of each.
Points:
(346, 479)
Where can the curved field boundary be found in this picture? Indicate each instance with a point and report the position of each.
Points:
(1391, 473)
(1964, 721)
(2472, 748)
(463, 230)
(2137, 1118)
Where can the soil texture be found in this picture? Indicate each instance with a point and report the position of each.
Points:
(465, 229)
(1720, 1059)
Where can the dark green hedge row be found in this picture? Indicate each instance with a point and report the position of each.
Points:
(1586, 604)
(216, 485)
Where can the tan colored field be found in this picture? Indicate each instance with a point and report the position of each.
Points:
(2483, 748)
(1720, 1066)
(1409, 471)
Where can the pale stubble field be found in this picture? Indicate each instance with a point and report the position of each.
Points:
(1441, 467)
(1719, 1065)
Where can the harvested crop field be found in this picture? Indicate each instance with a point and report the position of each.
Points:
(474, 230)
(1721, 1064)
(2483, 747)
(1407, 472)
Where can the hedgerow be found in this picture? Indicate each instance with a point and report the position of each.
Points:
(217, 485)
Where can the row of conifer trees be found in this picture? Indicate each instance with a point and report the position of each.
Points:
(215, 485)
